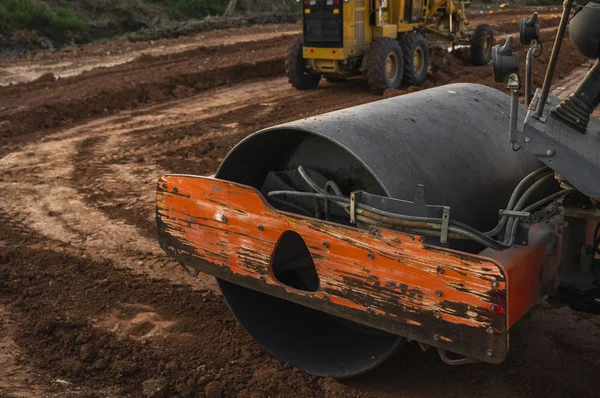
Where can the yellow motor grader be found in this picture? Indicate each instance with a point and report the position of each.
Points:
(385, 39)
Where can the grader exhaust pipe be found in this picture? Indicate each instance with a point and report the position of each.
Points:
(337, 299)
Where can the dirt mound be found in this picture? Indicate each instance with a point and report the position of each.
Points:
(146, 80)
(66, 330)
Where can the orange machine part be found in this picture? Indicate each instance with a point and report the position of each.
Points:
(381, 278)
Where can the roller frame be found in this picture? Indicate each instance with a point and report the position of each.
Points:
(395, 282)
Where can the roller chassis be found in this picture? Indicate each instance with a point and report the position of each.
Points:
(391, 281)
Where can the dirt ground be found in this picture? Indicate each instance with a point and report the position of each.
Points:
(89, 304)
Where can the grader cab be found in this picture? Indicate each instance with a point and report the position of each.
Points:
(388, 40)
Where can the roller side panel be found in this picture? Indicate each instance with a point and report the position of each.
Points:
(380, 278)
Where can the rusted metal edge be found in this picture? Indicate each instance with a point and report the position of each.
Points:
(390, 281)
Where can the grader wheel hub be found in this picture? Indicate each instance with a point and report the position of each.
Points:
(391, 67)
(418, 60)
(487, 45)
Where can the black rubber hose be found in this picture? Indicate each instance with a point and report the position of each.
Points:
(513, 198)
(334, 187)
(531, 190)
(455, 227)
(468, 228)
(294, 206)
(521, 203)
(547, 199)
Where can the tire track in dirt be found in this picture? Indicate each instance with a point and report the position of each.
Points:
(118, 174)
(75, 61)
(48, 205)
(87, 329)
(30, 107)
(38, 105)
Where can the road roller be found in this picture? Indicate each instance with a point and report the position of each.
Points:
(386, 40)
(438, 218)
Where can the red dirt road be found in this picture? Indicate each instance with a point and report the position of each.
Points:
(91, 307)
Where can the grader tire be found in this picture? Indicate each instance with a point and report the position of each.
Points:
(481, 45)
(385, 65)
(296, 71)
(416, 59)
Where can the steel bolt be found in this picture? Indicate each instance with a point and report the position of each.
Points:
(261, 228)
(440, 270)
(371, 256)
(527, 140)
(436, 337)
(489, 353)
(439, 293)
(437, 315)
(495, 283)
(490, 330)
(549, 152)
(326, 244)
(493, 307)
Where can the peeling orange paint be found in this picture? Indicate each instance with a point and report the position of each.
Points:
(388, 274)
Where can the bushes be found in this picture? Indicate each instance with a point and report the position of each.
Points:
(187, 9)
(56, 23)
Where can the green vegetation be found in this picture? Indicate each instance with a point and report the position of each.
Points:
(187, 9)
(58, 23)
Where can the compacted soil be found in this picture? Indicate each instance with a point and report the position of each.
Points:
(89, 304)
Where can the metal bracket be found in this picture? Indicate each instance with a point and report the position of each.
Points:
(418, 208)
(445, 225)
(353, 207)
(512, 213)
(522, 234)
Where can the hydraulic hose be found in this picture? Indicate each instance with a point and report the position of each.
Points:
(513, 198)
(512, 220)
(434, 225)
(455, 227)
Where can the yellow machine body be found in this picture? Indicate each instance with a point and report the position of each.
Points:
(363, 21)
